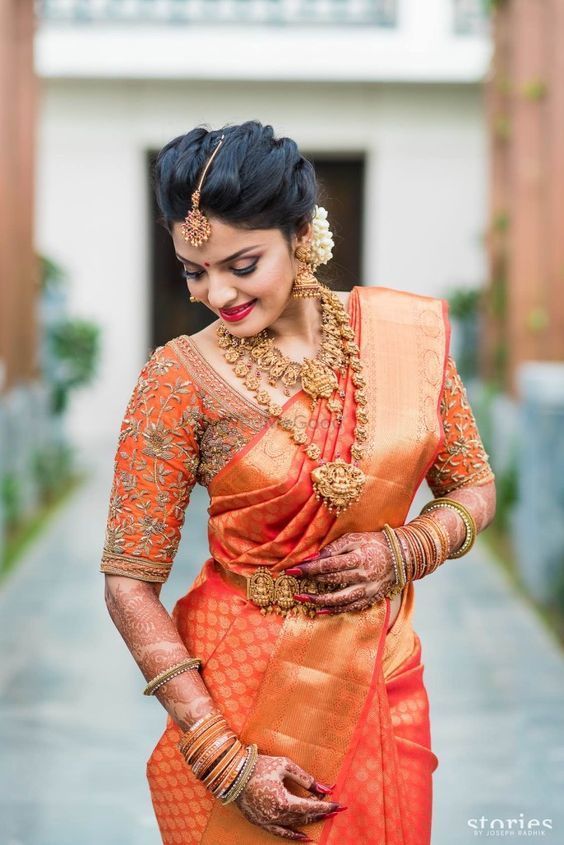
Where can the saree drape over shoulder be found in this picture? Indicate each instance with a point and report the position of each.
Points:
(340, 694)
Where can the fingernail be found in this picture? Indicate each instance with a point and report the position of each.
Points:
(305, 838)
(293, 570)
(323, 609)
(313, 557)
(302, 597)
(321, 787)
(338, 810)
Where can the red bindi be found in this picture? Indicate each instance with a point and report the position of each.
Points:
(206, 264)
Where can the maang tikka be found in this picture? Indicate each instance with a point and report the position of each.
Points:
(196, 228)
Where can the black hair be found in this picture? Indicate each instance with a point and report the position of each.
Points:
(256, 181)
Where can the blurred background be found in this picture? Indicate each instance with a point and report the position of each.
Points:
(437, 131)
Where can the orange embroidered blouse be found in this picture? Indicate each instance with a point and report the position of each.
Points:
(184, 422)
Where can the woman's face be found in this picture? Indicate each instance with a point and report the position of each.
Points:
(235, 266)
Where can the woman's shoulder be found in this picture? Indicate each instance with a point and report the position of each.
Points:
(168, 376)
(375, 291)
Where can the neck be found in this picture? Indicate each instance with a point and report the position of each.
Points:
(300, 322)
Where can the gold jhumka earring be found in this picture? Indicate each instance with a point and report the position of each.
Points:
(306, 284)
(196, 228)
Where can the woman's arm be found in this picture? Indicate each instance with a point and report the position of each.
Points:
(155, 645)
(480, 499)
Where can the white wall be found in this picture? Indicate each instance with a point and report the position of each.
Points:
(425, 191)
(423, 47)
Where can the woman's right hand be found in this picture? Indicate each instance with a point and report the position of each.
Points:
(266, 802)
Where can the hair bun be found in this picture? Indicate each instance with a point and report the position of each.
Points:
(256, 181)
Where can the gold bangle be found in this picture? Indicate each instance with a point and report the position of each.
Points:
(223, 787)
(203, 743)
(204, 757)
(197, 729)
(171, 672)
(244, 775)
(467, 518)
(211, 755)
(188, 744)
(397, 560)
(220, 766)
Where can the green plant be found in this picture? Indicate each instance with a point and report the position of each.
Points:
(535, 89)
(10, 493)
(51, 273)
(502, 127)
(464, 307)
(75, 346)
(464, 303)
(493, 5)
(52, 466)
(507, 493)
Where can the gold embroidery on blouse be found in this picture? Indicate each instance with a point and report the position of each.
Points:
(462, 460)
(155, 470)
(222, 439)
(227, 399)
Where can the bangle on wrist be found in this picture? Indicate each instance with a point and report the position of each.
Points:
(217, 757)
(171, 672)
(467, 518)
(397, 560)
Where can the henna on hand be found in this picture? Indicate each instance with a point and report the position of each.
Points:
(362, 560)
(266, 802)
(155, 644)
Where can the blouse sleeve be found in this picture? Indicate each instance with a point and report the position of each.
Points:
(154, 471)
(462, 459)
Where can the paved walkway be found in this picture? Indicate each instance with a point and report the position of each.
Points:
(75, 730)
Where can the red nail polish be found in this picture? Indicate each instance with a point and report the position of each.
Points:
(293, 570)
(321, 787)
(302, 597)
(334, 812)
(323, 609)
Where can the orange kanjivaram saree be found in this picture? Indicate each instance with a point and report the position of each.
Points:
(340, 695)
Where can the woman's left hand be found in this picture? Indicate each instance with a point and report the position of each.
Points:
(360, 561)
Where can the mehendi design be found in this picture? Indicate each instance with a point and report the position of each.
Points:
(155, 644)
(267, 802)
(363, 560)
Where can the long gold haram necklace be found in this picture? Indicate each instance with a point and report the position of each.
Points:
(336, 483)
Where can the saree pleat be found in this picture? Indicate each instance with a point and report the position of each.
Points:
(340, 694)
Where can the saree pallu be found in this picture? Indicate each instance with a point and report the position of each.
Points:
(340, 694)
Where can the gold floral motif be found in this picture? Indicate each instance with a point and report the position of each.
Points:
(462, 460)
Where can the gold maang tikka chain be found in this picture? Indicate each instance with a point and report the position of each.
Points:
(336, 483)
(196, 228)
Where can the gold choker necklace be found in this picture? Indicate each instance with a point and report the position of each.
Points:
(336, 483)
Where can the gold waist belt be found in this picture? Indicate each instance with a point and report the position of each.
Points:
(273, 594)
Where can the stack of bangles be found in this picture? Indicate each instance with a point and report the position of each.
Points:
(217, 757)
(210, 747)
(420, 547)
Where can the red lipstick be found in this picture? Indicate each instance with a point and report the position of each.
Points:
(234, 314)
